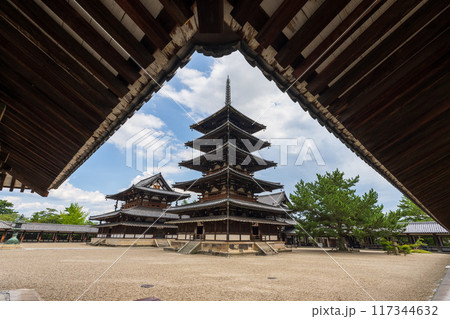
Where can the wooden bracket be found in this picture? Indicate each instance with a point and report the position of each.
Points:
(2, 111)
(3, 158)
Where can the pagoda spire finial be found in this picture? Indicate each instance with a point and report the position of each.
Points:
(228, 93)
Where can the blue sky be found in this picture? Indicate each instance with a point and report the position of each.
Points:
(195, 92)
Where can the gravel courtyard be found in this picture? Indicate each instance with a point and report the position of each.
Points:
(64, 271)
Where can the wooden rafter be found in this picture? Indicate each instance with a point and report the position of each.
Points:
(66, 121)
(90, 84)
(210, 16)
(178, 10)
(2, 179)
(3, 158)
(374, 32)
(359, 15)
(2, 112)
(395, 40)
(385, 73)
(243, 9)
(23, 180)
(65, 40)
(312, 27)
(278, 21)
(76, 22)
(140, 15)
(117, 31)
(23, 52)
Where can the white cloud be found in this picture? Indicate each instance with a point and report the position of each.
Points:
(251, 93)
(133, 126)
(92, 201)
(23, 206)
(67, 192)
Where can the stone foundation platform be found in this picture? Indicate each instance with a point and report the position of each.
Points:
(220, 248)
(123, 242)
(224, 248)
(10, 247)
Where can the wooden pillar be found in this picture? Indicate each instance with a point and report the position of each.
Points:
(69, 237)
(3, 236)
(441, 244)
(410, 239)
(39, 237)
(22, 236)
(55, 237)
(437, 242)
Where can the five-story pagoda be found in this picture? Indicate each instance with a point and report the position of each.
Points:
(227, 215)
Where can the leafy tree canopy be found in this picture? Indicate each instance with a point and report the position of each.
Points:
(330, 207)
(7, 212)
(410, 212)
(50, 215)
(74, 215)
(6, 207)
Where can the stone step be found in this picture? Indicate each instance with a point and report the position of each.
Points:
(265, 248)
(162, 243)
(189, 248)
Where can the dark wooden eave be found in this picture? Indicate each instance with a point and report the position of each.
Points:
(373, 72)
(206, 142)
(197, 185)
(218, 118)
(146, 187)
(203, 162)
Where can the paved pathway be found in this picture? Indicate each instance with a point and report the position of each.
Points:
(19, 295)
(443, 291)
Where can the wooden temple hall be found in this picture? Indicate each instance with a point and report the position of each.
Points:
(374, 73)
(228, 218)
(142, 215)
(43, 232)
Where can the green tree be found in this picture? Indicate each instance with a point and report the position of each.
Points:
(330, 207)
(392, 225)
(50, 215)
(75, 215)
(410, 212)
(7, 212)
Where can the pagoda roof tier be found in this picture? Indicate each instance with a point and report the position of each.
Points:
(148, 186)
(170, 195)
(225, 132)
(137, 224)
(195, 185)
(233, 218)
(256, 163)
(275, 199)
(228, 113)
(137, 212)
(185, 209)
